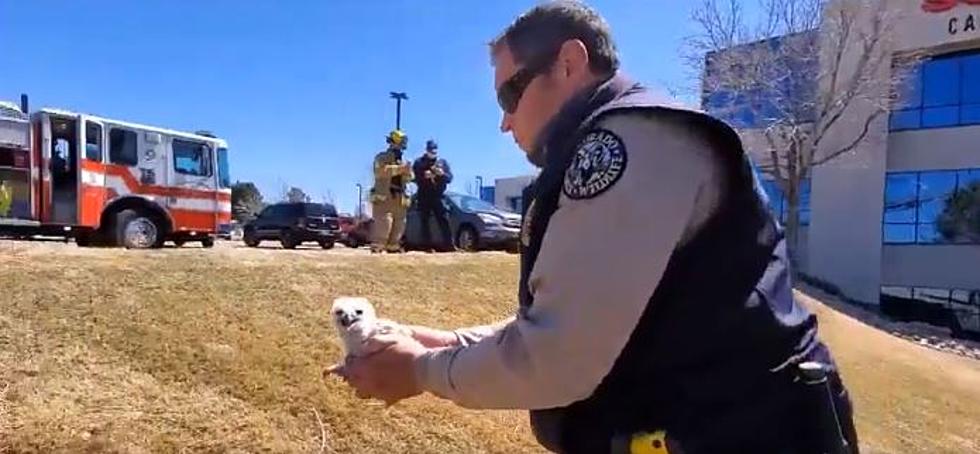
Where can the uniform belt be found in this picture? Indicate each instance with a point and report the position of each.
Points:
(825, 432)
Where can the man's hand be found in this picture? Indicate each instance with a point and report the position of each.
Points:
(387, 375)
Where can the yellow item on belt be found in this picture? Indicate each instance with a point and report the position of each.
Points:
(649, 443)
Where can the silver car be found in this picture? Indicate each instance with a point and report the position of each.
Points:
(475, 225)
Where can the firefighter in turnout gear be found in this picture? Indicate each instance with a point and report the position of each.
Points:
(389, 202)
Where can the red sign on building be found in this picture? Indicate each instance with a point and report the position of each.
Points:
(939, 6)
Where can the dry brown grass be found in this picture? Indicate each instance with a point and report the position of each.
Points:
(908, 398)
(221, 351)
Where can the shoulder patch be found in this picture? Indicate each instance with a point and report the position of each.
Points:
(597, 165)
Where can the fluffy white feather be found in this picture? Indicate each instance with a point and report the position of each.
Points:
(359, 327)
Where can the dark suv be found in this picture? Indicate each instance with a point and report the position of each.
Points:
(293, 224)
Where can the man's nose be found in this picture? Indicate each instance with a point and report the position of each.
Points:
(505, 123)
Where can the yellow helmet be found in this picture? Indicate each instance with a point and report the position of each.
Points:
(397, 138)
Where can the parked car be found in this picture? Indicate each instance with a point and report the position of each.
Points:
(231, 231)
(355, 232)
(474, 224)
(293, 224)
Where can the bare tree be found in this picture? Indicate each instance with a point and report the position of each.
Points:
(795, 74)
(328, 198)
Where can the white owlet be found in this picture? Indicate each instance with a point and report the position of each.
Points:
(360, 328)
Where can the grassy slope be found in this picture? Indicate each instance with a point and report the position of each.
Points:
(908, 399)
(107, 350)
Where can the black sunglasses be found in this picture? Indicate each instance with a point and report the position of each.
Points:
(510, 92)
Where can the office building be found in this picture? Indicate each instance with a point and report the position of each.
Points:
(896, 221)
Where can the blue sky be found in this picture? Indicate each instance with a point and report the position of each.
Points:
(300, 88)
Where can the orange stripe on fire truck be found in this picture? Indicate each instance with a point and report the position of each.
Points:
(191, 209)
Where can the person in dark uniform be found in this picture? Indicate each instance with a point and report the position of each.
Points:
(656, 301)
(432, 176)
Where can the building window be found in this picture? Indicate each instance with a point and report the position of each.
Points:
(192, 158)
(488, 193)
(935, 207)
(780, 207)
(516, 204)
(939, 93)
(957, 308)
(757, 84)
(122, 147)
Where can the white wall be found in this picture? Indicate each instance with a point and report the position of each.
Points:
(847, 195)
(934, 149)
(504, 188)
(939, 266)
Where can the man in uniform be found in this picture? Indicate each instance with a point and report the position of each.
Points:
(388, 199)
(655, 293)
(432, 175)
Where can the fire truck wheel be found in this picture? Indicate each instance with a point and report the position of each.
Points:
(136, 230)
(208, 242)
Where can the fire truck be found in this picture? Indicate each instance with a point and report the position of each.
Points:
(107, 182)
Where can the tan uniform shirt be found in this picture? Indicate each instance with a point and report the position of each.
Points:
(600, 261)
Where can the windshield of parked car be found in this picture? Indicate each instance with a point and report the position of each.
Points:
(316, 209)
(470, 203)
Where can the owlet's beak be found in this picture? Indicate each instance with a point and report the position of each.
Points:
(347, 319)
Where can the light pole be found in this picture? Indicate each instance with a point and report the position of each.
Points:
(398, 97)
(359, 191)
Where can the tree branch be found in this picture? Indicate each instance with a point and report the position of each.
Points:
(863, 84)
(774, 155)
(864, 132)
(840, 46)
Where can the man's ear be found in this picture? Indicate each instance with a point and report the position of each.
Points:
(573, 57)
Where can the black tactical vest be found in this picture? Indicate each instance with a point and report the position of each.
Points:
(704, 362)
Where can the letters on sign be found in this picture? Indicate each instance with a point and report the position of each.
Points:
(956, 24)
(968, 24)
